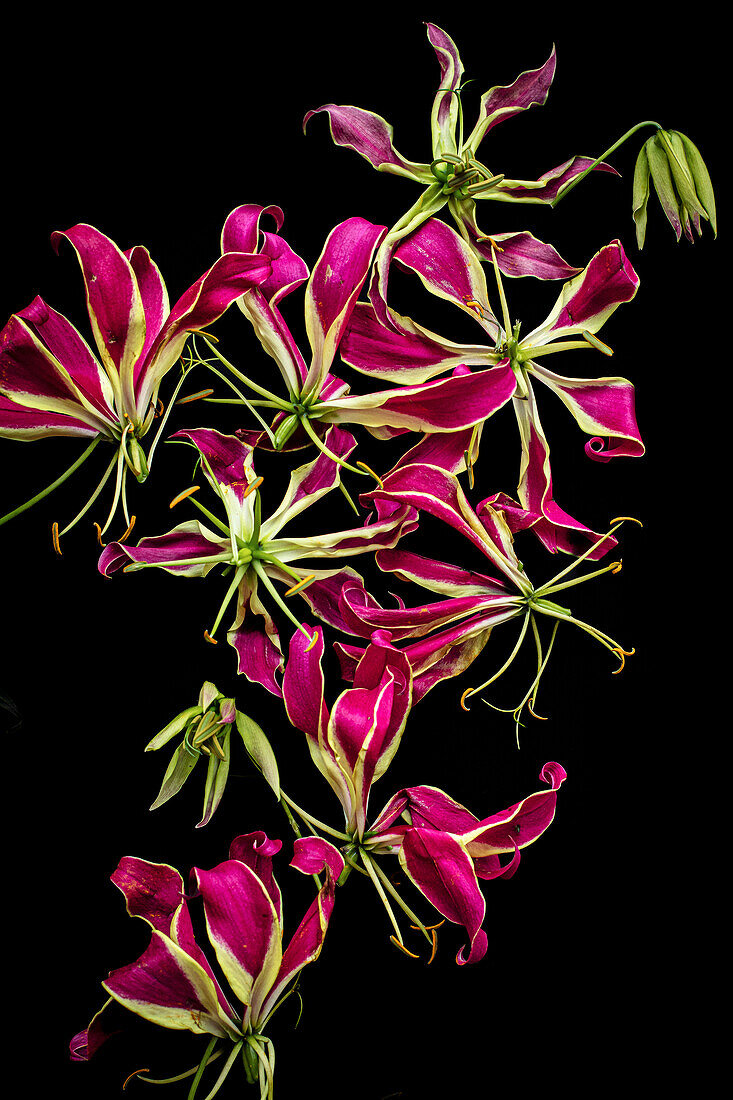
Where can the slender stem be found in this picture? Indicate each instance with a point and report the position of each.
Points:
(118, 482)
(210, 515)
(249, 404)
(313, 820)
(166, 414)
(202, 1066)
(576, 562)
(611, 149)
(93, 497)
(580, 580)
(228, 597)
(309, 429)
(279, 401)
(225, 1070)
(54, 484)
(502, 295)
(259, 570)
(181, 1076)
(372, 874)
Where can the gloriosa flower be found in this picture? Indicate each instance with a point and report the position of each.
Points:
(172, 983)
(443, 847)
(315, 397)
(252, 548)
(602, 407)
(454, 177)
(52, 384)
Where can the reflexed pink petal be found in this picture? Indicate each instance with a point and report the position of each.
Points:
(166, 986)
(521, 823)
(333, 288)
(17, 422)
(550, 183)
(243, 927)
(439, 576)
(522, 254)
(255, 637)
(500, 103)
(370, 136)
(188, 540)
(442, 870)
(154, 296)
(256, 850)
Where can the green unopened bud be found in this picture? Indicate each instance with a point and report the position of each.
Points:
(284, 431)
(681, 180)
(136, 459)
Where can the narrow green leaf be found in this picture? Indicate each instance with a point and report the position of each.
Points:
(260, 750)
(180, 767)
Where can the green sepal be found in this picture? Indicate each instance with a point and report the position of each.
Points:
(180, 767)
(177, 725)
(700, 177)
(259, 750)
(641, 195)
(209, 694)
(663, 182)
(682, 175)
(216, 777)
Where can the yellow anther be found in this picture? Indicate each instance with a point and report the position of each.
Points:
(194, 397)
(182, 496)
(128, 532)
(540, 717)
(466, 693)
(369, 470)
(252, 487)
(55, 538)
(209, 638)
(402, 948)
(99, 535)
(429, 927)
(627, 519)
(301, 584)
(312, 642)
(206, 335)
(615, 566)
(594, 342)
(145, 1069)
(434, 934)
(491, 241)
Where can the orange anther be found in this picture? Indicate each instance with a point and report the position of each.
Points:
(99, 535)
(128, 532)
(615, 567)
(435, 945)
(182, 496)
(466, 693)
(369, 470)
(402, 948)
(145, 1069)
(55, 538)
(194, 397)
(252, 487)
(301, 584)
(540, 717)
(209, 638)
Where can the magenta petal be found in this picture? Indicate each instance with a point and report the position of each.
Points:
(256, 850)
(369, 135)
(500, 103)
(522, 254)
(184, 541)
(443, 871)
(303, 685)
(313, 854)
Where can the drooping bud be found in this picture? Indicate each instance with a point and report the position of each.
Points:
(681, 181)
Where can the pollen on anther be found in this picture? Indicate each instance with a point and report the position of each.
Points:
(198, 396)
(301, 584)
(252, 487)
(209, 638)
(402, 948)
(312, 642)
(466, 693)
(182, 496)
(434, 934)
(128, 532)
(125, 1083)
(99, 535)
(616, 567)
(369, 470)
(55, 538)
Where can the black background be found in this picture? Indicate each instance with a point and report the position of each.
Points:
(595, 946)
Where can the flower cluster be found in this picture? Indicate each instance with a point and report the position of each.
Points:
(445, 397)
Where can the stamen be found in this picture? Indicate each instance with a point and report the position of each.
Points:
(402, 948)
(99, 535)
(627, 519)
(469, 468)
(491, 241)
(312, 642)
(540, 717)
(206, 335)
(252, 487)
(466, 693)
(300, 585)
(55, 538)
(144, 1069)
(434, 934)
(369, 470)
(128, 532)
(616, 567)
(159, 409)
(429, 927)
(622, 654)
(182, 496)
(198, 396)
(596, 343)
(208, 637)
